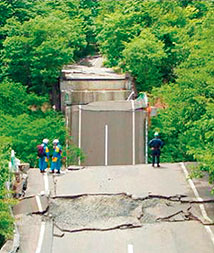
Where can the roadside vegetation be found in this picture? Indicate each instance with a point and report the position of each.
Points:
(6, 221)
(36, 39)
(167, 46)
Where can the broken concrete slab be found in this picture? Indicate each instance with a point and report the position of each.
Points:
(123, 190)
(35, 204)
(112, 211)
(95, 212)
(165, 210)
(196, 214)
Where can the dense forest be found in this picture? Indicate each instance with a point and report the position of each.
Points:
(167, 46)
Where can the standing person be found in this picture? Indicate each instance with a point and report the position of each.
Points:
(56, 158)
(43, 154)
(156, 144)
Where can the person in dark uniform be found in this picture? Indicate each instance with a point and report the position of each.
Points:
(156, 144)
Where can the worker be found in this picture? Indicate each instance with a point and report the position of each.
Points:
(43, 154)
(56, 157)
(156, 144)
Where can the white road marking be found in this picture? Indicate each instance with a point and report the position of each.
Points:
(203, 210)
(41, 238)
(80, 128)
(68, 113)
(39, 204)
(209, 231)
(106, 145)
(46, 183)
(133, 132)
(130, 248)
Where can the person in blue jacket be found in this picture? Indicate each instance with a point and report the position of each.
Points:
(156, 144)
(44, 158)
(56, 157)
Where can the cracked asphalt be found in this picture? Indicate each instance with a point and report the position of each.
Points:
(117, 209)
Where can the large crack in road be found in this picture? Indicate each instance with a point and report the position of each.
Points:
(70, 211)
(100, 212)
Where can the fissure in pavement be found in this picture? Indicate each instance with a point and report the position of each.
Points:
(118, 211)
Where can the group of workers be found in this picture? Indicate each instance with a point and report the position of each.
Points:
(45, 156)
(155, 144)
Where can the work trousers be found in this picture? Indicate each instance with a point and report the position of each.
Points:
(56, 165)
(42, 163)
(156, 156)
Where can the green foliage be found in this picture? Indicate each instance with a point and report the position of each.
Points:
(88, 10)
(5, 12)
(4, 159)
(6, 221)
(28, 131)
(35, 51)
(119, 23)
(14, 99)
(21, 9)
(73, 153)
(143, 57)
(109, 7)
(39, 37)
(36, 39)
(187, 123)
(45, 7)
(84, 9)
(26, 121)
(113, 31)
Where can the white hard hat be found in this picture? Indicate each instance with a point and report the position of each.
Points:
(45, 141)
(56, 141)
(156, 134)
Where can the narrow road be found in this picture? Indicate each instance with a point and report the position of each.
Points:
(120, 209)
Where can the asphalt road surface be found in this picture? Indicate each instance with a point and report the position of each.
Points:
(117, 209)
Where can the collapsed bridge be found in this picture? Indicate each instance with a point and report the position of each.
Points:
(103, 122)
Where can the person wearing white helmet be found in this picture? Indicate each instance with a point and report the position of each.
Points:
(56, 158)
(156, 144)
(56, 141)
(43, 154)
(45, 141)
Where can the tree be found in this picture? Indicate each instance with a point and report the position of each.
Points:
(6, 221)
(143, 57)
(187, 122)
(27, 119)
(167, 20)
(35, 51)
(15, 100)
(84, 9)
(88, 10)
(112, 31)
